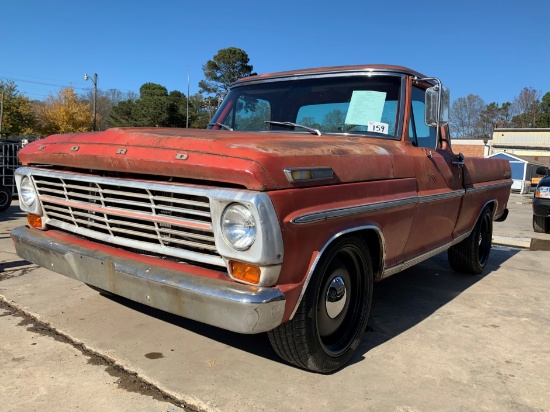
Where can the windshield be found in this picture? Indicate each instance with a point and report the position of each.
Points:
(355, 104)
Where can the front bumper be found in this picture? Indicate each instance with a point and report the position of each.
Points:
(228, 305)
(541, 207)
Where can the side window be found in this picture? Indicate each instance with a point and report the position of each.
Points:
(421, 135)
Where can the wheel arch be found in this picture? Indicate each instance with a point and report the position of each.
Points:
(374, 238)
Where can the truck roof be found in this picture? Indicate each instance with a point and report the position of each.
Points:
(330, 70)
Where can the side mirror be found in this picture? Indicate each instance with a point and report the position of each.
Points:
(542, 170)
(437, 107)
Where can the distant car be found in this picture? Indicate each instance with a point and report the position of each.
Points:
(541, 202)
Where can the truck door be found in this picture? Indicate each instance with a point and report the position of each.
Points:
(439, 185)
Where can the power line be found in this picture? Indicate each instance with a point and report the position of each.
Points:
(42, 84)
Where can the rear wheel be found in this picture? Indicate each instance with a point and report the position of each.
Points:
(330, 321)
(541, 224)
(5, 198)
(471, 255)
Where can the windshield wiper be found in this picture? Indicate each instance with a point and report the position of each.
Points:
(290, 124)
(223, 126)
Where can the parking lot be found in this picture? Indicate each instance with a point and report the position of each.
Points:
(436, 340)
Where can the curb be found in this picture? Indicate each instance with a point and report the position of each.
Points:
(523, 242)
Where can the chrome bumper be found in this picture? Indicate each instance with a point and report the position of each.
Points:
(228, 305)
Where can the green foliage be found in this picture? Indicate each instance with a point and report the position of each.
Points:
(226, 67)
(155, 107)
(544, 119)
(18, 117)
(121, 114)
(253, 120)
(201, 110)
(527, 107)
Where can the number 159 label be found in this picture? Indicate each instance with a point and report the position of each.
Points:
(378, 127)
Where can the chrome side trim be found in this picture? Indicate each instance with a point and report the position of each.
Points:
(318, 257)
(487, 187)
(353, 210)
(411, 262)
(372, 207)
(225, 304)
(441, 196)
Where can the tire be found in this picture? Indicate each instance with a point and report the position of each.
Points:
(541, 224)
(5, 198)
(472, 254)
(331, 319)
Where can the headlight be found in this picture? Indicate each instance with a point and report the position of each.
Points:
(238, 226)
(28, 193)
(543, 192)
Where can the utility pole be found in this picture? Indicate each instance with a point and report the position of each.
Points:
(94, 81)
(188, 79)
(1, 112)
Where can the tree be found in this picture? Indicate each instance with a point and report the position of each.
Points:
(544, 119)
(334, 120)
(121, 114)
(177, 109)
(227, 66)
(465, 117)
(64, 113)
(201, 110)
(17, 112)
(151, 108)
(526, 107)
(493, 117)
(105, 101)
(155, 107)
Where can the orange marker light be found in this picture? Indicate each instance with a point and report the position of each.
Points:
(34, 221)
(245, 272)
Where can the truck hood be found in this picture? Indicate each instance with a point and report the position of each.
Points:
(255, 160)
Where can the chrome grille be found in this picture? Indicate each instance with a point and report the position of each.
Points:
(158, 218)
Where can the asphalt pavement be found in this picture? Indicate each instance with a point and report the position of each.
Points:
(436, 340)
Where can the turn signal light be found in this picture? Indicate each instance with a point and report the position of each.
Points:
(245, 272)
(34, 221)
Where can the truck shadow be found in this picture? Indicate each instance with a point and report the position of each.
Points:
(406, 299)
(399, 303)
(12, 213)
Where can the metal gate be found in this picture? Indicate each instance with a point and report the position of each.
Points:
(8, 163)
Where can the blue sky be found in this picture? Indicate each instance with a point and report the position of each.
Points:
(486, 47)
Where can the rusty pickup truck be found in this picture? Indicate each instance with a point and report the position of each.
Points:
(307, 187)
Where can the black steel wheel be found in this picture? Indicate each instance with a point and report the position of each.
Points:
(472, 254)
(541, 224)
(331, 319)
(5, 198)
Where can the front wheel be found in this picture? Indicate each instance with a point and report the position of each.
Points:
(472, 254)
(541, 224)
(5, 198)
(331, 319)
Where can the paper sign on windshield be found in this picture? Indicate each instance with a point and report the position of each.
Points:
(365, 106)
